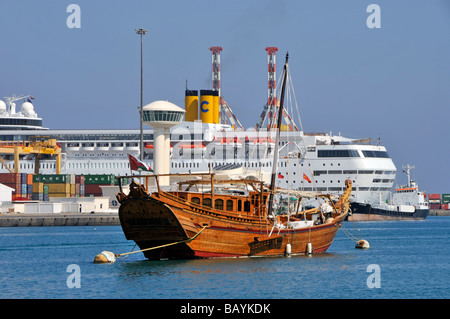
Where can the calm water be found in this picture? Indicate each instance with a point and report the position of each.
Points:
(412, 257)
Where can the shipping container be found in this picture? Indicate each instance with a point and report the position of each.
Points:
(58, 195)
(58, 188)
(444, 206)
(435, 206)
(51, 178)
(38, 187)
(37, 196)
(105, 179)
(434, 196)
(79, 179)
(9, 178)
(92, 189)
(445, 198)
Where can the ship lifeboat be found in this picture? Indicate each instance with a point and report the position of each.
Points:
(228, 142)
(193, 146)
(260, 141)
(148, 148)
(198, 148)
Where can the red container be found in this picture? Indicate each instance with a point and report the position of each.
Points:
(10, 178)
(92, 189)
(444, 206)
(434, 196)
(435, 206)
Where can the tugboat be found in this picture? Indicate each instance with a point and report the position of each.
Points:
(407, 203)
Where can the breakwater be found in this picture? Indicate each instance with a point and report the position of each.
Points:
(59, 219)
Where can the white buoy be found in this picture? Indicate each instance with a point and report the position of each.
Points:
(362, 244)
(309, 249)
(105, 257)
(288, 250)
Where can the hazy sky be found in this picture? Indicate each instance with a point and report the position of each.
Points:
(392, 81)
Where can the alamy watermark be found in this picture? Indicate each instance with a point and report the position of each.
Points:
(74, 19)
(374, 19)
(74, 279)
(374, 279)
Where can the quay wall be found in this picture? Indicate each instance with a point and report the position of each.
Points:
(59, 219)
(439, 212)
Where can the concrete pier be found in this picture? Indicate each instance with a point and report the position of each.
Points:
(439, 212)
(59, 219)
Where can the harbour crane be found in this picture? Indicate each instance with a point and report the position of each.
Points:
(37, 146)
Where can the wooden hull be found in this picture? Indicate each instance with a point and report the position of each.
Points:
(153, 222)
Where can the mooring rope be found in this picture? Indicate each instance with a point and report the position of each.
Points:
(162, 246)
(350, 235)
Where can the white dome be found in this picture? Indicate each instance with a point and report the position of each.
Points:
(2, 106)
(162, 106)
(27, 107)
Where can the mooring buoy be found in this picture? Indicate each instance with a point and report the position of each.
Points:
(105, 257)
(362, 244)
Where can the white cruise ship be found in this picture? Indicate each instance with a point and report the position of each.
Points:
(307, 161)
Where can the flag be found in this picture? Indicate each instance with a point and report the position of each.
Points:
(280, 176)
(137, 165)
(306, 178)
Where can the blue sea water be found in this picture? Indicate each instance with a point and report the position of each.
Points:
(407, 259)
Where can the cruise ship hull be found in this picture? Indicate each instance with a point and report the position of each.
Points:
(366, 212)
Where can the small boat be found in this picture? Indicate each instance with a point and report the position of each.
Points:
(406, 203)
(211, 216)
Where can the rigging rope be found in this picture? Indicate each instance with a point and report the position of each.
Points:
(162, 246)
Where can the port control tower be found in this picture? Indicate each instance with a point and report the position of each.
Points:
(162, 115)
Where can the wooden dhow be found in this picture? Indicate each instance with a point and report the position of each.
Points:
(226, 221)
